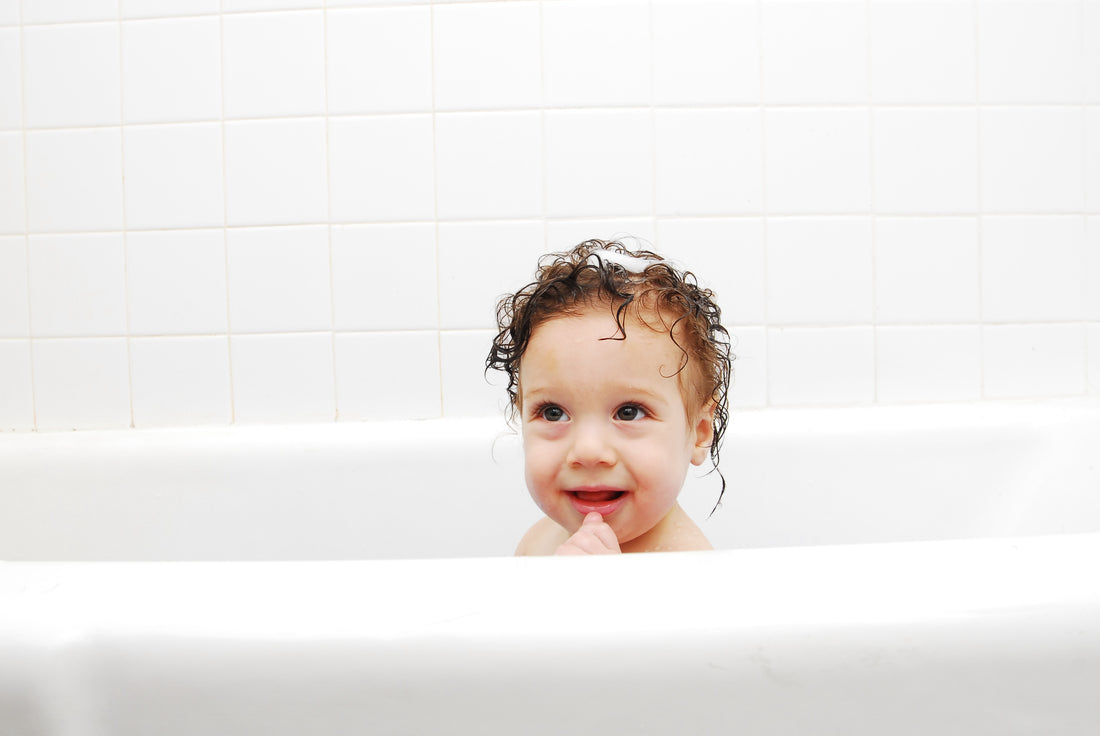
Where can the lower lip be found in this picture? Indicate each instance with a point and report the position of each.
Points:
(604, 508)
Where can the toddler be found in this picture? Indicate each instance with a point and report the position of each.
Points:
(618, 370)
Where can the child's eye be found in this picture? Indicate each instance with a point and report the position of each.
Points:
(629, 413)
(552, 413)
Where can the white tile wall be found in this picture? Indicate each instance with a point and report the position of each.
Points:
(74, 180)
(279, 279)
(87, 92)
(171, 70)
(814, 52)
(902, 69)
(363, 48)
(176, 282)
(298, 210)
(380, 168)
(14, 295)
(13, 202)
(180, 380)
(11, 88)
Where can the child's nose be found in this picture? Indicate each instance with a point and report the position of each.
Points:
(591, 445)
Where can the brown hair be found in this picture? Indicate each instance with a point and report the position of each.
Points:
(568, 283)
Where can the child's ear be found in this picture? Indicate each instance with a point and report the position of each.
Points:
(703, 432)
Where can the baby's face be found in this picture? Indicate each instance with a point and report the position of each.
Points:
(604, 423)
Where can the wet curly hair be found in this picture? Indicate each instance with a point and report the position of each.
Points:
(571, 282)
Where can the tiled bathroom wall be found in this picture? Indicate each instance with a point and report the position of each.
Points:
(243, 211)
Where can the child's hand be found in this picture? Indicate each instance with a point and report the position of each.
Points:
(594, 537)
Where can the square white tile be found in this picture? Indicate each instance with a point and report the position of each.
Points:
(167, 8)
(71, 75)
(9, 12)
(927, 270)
(379, 60)
(13, 197)
(1093, 332)
(468, 391)
(174, 176)
(599, 163)
(923, 52)
(388, 376)
(1092, 268)
(171, 70)
(817, 161)
(1033, 269)
(274, 64)
(634, 232)
(17, 398)
(929, 364)
(81, 384)
(77, 285)
(176, 282)
(489, 165)
(814, 52)
(926, 160)
(245, 6)
(1092, 158)
(68, 11)
(749, 381)
(468, 290)
(705, 53)
(283, 378)
(819, 271)
(1033, 361)
(1032, 159)
(74, 180)
(596, 53)
(1091, 30)
(821, 366)
(180, 381)
(709, 162)
(486, 56)
(14, 294)
(381, 169)
(384, 277)
(267, 189)
(726, 256)
(279, 279)
(1030, 52)
(369, 3)
(11, 79)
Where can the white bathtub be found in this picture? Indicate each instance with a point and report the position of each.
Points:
(884, 571)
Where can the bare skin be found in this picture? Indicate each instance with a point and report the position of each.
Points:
(608, 436)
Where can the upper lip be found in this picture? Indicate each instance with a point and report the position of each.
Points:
(575, 489)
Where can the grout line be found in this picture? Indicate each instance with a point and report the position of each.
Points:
(765, 215)
(542, 129)
(901, 216)
(125, 211)
(653, 154)
(328, 206)
(979, 217)
(225, 219)
(27, 216)
(874, 206)
(435, 211)
(473, 112)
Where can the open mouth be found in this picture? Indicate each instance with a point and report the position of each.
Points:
(604, 501)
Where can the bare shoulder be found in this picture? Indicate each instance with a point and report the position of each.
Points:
(543, 538)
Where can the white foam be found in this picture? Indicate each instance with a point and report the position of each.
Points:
(632, 264)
